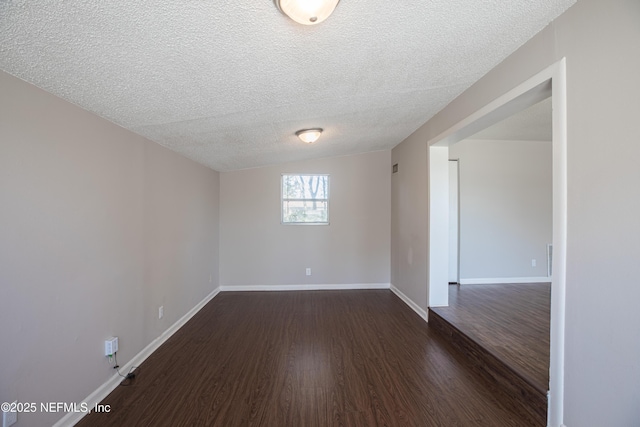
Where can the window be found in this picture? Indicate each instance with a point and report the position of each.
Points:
(305, 199)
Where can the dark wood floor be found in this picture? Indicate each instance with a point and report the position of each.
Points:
(314, 358)
(510, 320)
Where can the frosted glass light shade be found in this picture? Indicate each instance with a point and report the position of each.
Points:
(307, 12)
(309, 135)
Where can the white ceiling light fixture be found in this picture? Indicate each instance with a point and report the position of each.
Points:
(307, 12)
(309, 135)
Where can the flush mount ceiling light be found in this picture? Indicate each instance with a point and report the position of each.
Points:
(307, 12)
(309, 135)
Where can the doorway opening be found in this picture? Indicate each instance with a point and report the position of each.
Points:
(550, 82)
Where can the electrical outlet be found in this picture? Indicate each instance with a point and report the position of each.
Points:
(210, 277)
(110, 346)
(308, 271)
(10, 418)
(161, 312)
(533, 263)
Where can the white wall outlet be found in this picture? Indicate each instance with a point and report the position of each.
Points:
(10, 418)
(110, 346)
(533, 263)
(161, 312)
(210, 277)
(308, 271)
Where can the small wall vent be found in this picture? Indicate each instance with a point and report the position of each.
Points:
(395, 168)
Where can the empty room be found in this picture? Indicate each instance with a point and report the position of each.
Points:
(239, 213)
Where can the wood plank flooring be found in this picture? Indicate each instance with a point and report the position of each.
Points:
(313, 358)
(510, 320)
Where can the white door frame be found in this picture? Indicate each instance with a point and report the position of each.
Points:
(549, 82)
(454, 220)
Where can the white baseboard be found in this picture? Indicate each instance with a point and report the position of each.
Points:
(103, 391)
(415, 307)
(505, 280)
(310, 287)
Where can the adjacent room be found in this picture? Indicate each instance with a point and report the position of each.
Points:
(500, 257)
(238, 213)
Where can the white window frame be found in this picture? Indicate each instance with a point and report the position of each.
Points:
(283, 199)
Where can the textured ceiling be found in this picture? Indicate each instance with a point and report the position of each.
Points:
(227, 83)
(532, 124)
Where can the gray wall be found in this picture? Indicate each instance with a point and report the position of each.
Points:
(98, 227)
(601, 41)
(505, 207)
(354, 249)
(409, 218)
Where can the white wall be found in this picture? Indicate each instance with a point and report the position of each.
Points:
(600, 41)
(505, 207)
(98, 227)
(257, 250)
(438, 284)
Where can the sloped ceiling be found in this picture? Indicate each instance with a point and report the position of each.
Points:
(227, 83)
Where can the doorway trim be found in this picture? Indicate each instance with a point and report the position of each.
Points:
(549, 82)
(454, 220)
